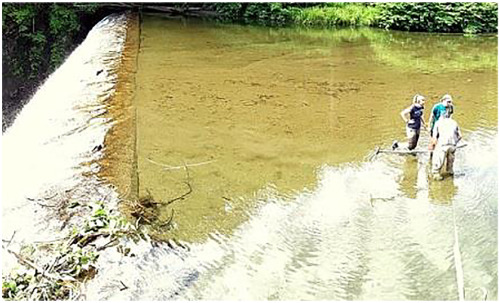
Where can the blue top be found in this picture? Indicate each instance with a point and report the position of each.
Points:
(438, 110)
(416, 113)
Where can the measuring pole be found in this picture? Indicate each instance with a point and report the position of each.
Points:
(458, 261)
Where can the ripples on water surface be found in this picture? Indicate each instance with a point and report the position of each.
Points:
(287, 208)
(262, 106)
(360, 235)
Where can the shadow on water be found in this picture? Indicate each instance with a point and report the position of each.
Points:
(442, 192)
(408, 183)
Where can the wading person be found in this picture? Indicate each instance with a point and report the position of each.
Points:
(414, 119)
(445, 105)
(444, 142)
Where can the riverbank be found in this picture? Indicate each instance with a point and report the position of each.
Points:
(469, 18)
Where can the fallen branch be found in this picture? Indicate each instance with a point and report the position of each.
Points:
(47, 205)
(43, 198)
(11, 238)
(167, 223)
(51, 241)
(86, 239)
(110, 243)
(124, 286)
(181, 197)
(406, 151)
(54, 277)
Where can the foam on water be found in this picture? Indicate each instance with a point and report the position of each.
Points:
(45, 150)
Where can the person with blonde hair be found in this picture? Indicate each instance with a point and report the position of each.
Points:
(414, 119)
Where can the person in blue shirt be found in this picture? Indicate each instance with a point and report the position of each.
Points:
(414, 119)
(444, 106)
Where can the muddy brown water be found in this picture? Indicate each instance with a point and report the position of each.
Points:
(246, 108)
(276, 128)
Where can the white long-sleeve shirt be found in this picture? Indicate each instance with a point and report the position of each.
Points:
(447, 132)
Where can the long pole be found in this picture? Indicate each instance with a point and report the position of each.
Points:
(458, 261)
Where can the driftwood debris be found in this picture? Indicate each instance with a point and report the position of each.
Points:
(53, 276)
(402, 151)
(378, 150)
(146, 208)
(123, 287)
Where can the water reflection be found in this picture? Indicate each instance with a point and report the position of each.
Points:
(431, 53)
(442, 192)
(408, 181)
(418, 52)
(333, 244)
(266, 107)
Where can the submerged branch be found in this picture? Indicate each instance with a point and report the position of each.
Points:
(168, 167)
(181, 197)
(169, 221)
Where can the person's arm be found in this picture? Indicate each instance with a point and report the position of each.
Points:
(435, 134)
(431, 117)
(423, 122)
(459, 134)
(405, 112)
(434, 137)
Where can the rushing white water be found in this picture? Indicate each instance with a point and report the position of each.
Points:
(360, 235)
(45, 150)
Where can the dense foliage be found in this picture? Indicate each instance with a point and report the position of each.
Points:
(338, 14)
(457, 17)
(43, 33)
(276, 14)
(36, 39)
(468, 17)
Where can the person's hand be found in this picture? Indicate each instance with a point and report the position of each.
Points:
(431, 146)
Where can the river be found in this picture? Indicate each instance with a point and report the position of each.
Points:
(273, 131)
(269, 135)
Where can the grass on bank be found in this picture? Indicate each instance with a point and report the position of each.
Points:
(344, 14)
(456, 17)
